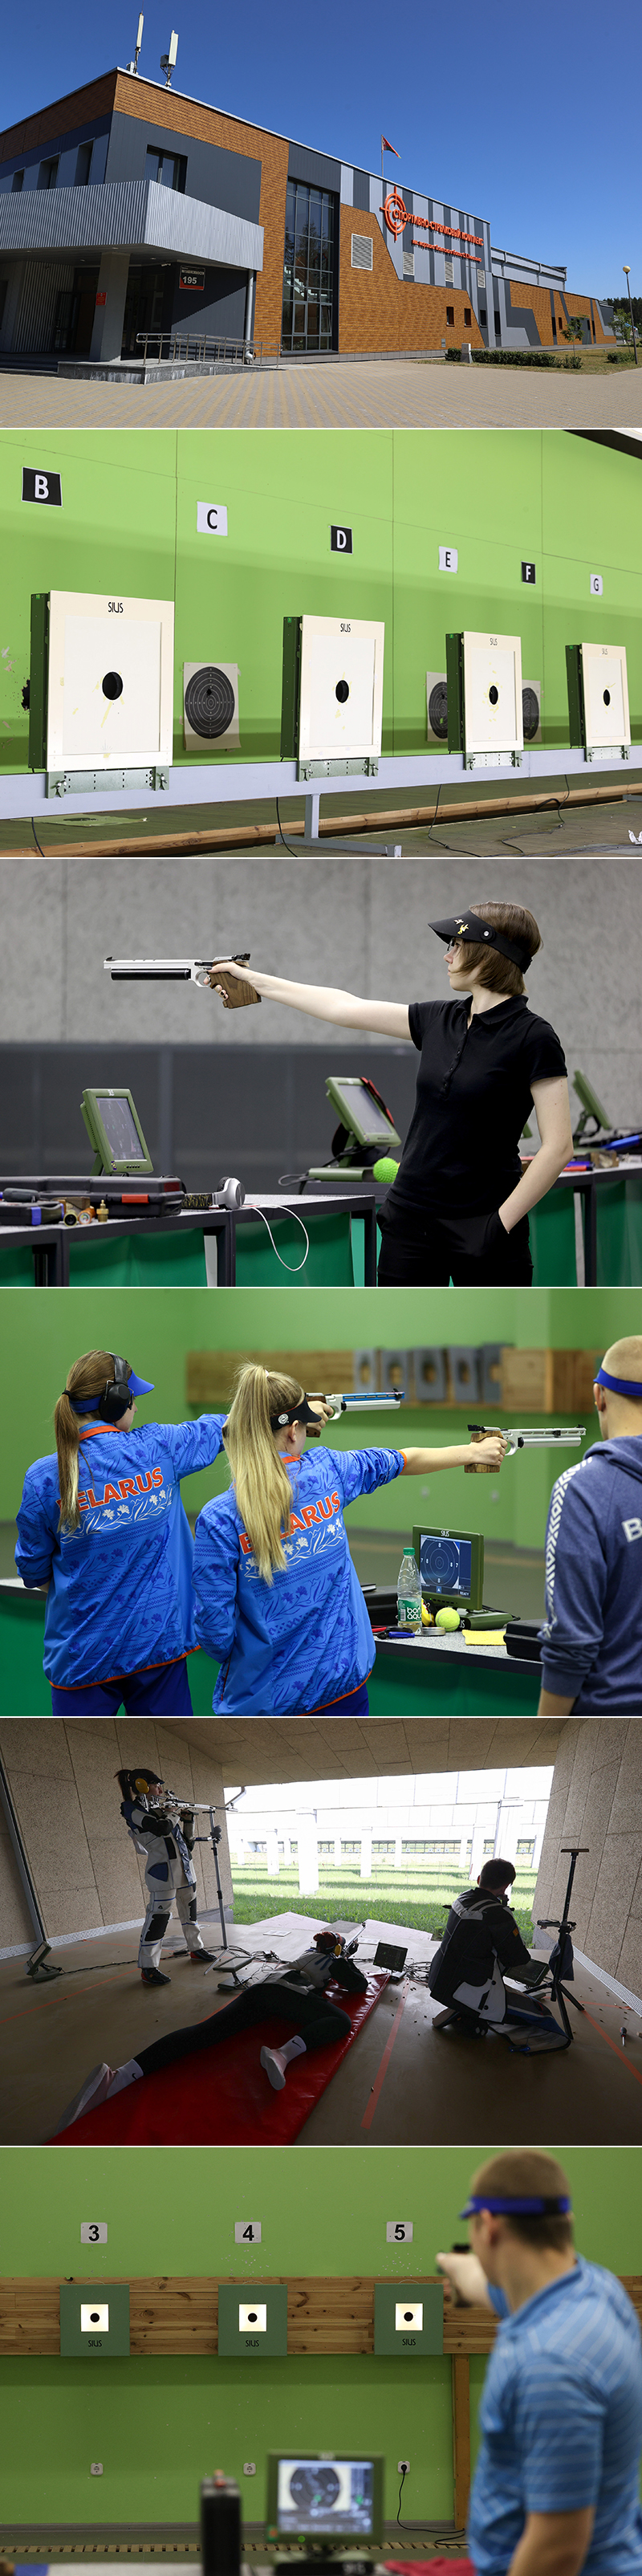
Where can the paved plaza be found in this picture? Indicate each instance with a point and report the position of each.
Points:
(369, 394)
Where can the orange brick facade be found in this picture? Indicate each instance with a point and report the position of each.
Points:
(187, 116)
(379, 311)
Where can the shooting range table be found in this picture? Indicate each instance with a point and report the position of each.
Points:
(611, 1210)
(415, 1677)
(444, 1677)
(206, 1247)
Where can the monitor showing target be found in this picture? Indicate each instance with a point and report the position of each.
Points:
(323, 2498)
(451, 1565)
(211, 705)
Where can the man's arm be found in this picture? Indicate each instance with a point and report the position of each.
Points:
(550, 1706)
(553, 2544)
(464, 2274)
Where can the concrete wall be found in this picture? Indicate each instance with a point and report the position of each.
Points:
(79, 911)
(84, 1867)
(596, 1799)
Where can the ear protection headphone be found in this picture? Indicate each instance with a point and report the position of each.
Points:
(116, 1397)
(230, 1195)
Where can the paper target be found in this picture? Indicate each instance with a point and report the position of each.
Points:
(438, 710)
(439, 1563)
(530, 713)
(211, 703)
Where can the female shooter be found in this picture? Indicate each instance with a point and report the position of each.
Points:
(277, 1597)
(458, 1208)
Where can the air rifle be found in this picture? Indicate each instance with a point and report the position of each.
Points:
(548, 1439)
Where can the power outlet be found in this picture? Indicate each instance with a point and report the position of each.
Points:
(403, 2467)
(249, 2468)
(96, 2469)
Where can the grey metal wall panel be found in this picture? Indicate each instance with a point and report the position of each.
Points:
(361, 191)
(134, 215)
(215, 176)
(38, 302)
(316, 169)
(29, 161)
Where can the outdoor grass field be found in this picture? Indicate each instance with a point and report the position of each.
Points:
(412, 1895)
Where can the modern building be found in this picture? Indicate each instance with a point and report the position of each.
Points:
(126, 209)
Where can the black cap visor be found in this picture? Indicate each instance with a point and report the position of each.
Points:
(469, 927)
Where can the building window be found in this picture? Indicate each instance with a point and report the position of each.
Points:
(450, 317)
(525, 1851)
(325, 1851)
(361, 250)
(489, 1851)
(83, 164)
(481, 276)
(18, 179)
(467, 313)
(498, 325)
(408, 263)
(482, 315)
(554, 326)
(383, 1851)
(449, 272)
(169, 169)
(48, 173)
(351, 1851)
(308, 275)
(430, 1851)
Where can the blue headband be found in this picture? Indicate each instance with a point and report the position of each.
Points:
(631, 1386)
(512, 2207)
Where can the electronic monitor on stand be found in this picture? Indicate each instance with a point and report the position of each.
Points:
(451, 1569)
(333, 2504)
(366, 1130)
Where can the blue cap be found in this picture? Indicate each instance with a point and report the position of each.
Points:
(140, 1385)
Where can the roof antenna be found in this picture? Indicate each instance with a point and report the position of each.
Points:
(168, 60)
(133, 67)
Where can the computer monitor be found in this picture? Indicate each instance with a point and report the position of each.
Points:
(313, 2497)
(362, 1110)
(114, 1129)
(451, 1566)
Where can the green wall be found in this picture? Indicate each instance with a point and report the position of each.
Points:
(41, 1335)
(160, 2424)
(128, 525)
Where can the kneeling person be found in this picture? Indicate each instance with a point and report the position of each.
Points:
(481, 1943)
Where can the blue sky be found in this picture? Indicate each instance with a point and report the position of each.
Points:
(531, 117)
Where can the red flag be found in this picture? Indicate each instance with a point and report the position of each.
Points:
(389, 147)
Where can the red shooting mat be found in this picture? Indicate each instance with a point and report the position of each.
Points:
(430, 2566)
(221, 2096)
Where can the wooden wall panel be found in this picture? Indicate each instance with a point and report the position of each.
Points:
(170, 2314)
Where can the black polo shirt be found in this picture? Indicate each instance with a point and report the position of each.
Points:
(474, 1096)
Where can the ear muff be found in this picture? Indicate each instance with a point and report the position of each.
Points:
(116, 1398)
(144, 1780)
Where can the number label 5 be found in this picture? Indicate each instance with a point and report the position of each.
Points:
(115, 607)
(345, 630)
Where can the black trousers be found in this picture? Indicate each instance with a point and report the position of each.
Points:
(474, 1251)
(318, 2021)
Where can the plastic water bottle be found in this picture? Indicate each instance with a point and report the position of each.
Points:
(408, 1591)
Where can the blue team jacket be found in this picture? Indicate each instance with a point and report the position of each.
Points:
(120, 1595)
(592, 1632)
(288, 1646)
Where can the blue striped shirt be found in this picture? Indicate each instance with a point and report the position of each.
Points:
(561, 2423)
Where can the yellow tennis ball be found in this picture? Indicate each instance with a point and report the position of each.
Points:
(447, 1618)
(386, 1169)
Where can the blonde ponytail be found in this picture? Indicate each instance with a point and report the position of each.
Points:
(261, 1482)
(88, 1377)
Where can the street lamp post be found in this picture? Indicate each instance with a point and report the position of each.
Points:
(627, 274)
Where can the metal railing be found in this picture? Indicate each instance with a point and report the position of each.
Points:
(203, 348)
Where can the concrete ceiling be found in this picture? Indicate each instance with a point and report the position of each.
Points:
(257, 1749)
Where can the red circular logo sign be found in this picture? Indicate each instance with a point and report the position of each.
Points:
(396, 213)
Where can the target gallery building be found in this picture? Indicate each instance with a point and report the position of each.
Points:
(127, 209)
